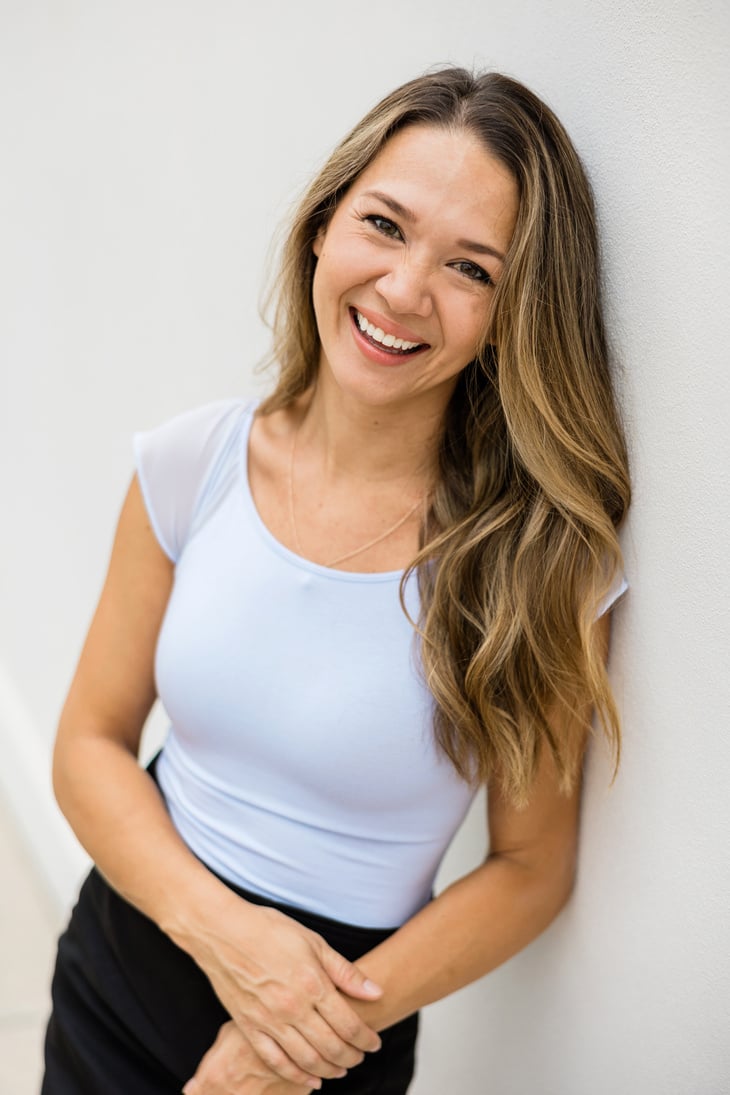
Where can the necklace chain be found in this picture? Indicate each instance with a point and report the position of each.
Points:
(349, 554)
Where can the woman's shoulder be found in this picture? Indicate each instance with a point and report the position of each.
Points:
(185, 461)
(190, 440)
(198, 425)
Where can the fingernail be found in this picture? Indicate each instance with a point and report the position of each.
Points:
(371, 987)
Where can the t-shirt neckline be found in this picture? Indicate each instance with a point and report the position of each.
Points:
(285, 553)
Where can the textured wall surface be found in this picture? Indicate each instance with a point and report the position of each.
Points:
(149, 150)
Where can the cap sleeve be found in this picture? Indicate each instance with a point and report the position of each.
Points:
(618, 588)
(176, 463)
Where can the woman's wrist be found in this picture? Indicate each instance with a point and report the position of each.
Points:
(202, 919)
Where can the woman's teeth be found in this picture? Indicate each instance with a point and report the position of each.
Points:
(390, 342)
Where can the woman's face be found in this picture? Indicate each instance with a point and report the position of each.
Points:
(407, 265)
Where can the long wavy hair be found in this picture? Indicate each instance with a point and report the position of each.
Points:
(519, 546)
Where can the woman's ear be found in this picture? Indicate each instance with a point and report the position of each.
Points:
(318, 241)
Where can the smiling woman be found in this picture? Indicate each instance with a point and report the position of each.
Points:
(383, 587)
(446, 191)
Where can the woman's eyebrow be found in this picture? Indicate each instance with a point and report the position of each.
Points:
(401, 211)
(407, 214)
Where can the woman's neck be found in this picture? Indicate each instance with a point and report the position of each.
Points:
(370, 444)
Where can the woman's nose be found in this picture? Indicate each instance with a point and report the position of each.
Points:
(405, 288)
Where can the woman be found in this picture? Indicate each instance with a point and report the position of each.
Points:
(442, 429)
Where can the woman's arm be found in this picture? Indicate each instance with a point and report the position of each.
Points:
(484, 918)
(275, 978)
(489, 915)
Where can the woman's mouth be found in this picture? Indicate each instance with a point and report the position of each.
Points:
(384, 341)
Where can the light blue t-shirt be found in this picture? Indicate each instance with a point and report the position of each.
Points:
(300, 761)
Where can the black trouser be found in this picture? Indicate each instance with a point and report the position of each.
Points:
(133, 1014)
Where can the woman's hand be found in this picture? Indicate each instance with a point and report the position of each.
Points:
(284, 987)
(231, 1067)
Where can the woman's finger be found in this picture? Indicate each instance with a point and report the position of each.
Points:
(277, 1060)
(316, 1031)
(347, 1024)
(346, 976)
(330, 1060)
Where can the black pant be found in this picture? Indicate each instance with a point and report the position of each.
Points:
(133, 1014)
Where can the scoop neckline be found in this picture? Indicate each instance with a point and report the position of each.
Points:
(285, 553)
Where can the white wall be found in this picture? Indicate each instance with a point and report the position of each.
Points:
(148, 150)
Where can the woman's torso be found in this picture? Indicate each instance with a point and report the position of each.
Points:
(300, 761)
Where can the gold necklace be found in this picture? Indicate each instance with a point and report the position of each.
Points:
(349, 554)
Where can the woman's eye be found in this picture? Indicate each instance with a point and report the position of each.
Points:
(472, 271)
(385, 226)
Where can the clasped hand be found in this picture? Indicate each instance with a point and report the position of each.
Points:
(231, 1067)
(285, 989)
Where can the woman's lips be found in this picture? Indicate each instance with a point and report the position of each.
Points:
(376, 351)
(389, 326)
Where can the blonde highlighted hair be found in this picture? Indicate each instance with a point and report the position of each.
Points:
(519, 546)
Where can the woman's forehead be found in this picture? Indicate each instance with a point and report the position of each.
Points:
(445, 175)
